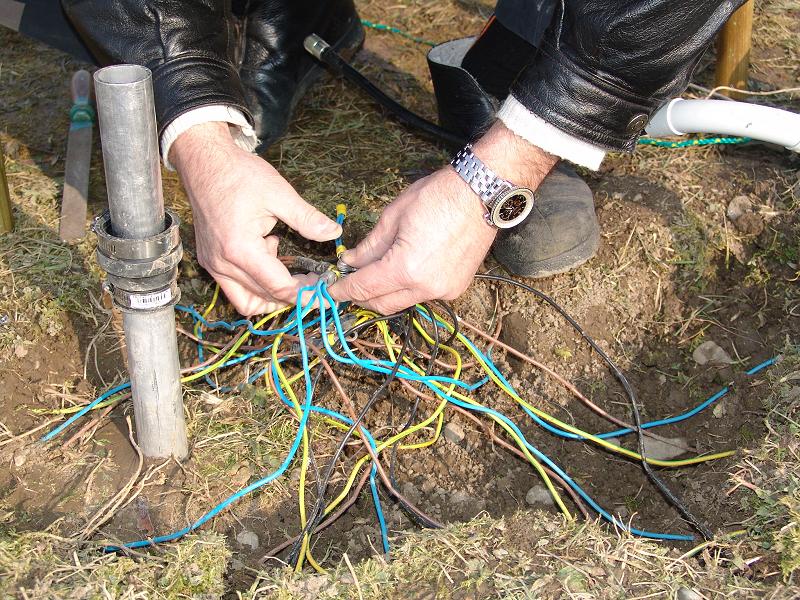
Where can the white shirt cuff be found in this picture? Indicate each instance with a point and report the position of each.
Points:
(549, 138)
(243, 134)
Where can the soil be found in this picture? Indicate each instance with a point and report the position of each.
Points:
(659, 285)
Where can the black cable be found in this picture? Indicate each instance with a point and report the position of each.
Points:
(670, 496)
(434, 353)
(453, 317)
(322, 51)
(312, 459)
(318, 511)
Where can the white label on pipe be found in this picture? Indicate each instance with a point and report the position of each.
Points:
(152, 300)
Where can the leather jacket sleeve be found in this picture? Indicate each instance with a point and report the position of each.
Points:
(607, 65)
(187, 44)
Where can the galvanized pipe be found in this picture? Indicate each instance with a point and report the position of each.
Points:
(129, 137)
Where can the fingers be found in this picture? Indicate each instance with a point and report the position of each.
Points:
(304, 218)
(259, 260)
(375, 245)
(396, 301)
(374, 280)
(244, 300)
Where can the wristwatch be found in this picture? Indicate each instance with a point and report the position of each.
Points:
(506, 204)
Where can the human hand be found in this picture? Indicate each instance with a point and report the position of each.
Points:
(237, 198)
(431, 240)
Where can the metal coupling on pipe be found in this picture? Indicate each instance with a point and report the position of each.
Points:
(142, 273)
(315, 45)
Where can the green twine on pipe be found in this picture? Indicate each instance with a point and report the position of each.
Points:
(645, 141)
(709, 141)
(390, 29)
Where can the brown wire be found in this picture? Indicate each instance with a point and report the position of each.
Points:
(499, 440)
(569, 386)
(351, 409)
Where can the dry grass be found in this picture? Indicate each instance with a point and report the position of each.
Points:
(341, 149)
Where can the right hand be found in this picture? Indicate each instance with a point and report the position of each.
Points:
(237, 198)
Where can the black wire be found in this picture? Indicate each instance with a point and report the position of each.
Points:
(312, 459)
(670, 496)
(318, 511)
(453, 317)
(434, 353)
(340, 66)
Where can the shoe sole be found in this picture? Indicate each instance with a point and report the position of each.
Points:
(562, 263)
(347, 46)
(567, 260)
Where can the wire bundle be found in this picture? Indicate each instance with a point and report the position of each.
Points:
(423, 352)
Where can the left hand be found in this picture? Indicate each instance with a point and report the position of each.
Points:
(431, 240)
(427, 244)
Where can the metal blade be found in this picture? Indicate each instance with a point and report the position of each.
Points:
(76, 184)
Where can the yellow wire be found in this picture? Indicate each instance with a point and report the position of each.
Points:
(304, 461)
(534, 462)
(558, 423)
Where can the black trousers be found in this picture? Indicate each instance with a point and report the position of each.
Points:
(527, 18)
(44, 20)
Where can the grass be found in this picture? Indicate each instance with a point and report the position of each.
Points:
(33, 566)
(341, 149)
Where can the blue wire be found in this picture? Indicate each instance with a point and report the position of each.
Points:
(619, 432)
(265, 480)
(49, 436)
(428, 382)
(370, 439)
(320, 291)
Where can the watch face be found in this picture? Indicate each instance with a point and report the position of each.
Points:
(511, 207)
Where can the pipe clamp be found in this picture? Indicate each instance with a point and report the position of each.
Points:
(128, 301)
(142, 273)
(131, 249)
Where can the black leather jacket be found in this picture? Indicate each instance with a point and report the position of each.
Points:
(605, 66)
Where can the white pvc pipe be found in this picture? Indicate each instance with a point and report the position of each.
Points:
(724, 117)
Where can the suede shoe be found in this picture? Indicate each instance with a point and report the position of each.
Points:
(562, 231)
(276, 70)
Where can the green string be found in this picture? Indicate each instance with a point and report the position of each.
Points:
(645, 141)
(390, 29)
(709, 141)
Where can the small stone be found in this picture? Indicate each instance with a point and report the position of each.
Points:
(539, 495)
(750, 224)
(453, 432)
(719, 410)
(248, 538)
(427, 486)
(685, 593)
(20, 350)
(709, 353)
(19, 459)
(739, 206)
(410, 491)
(237, 565)
(662, 379)
(638, 197)
(459, 497)
(665, 449)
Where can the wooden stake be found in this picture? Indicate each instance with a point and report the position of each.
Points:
(733, 50)
(6, 219)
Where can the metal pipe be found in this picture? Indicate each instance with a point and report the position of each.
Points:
(126, 114)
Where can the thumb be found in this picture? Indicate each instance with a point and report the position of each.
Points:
(305, 219)
(374, 246)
